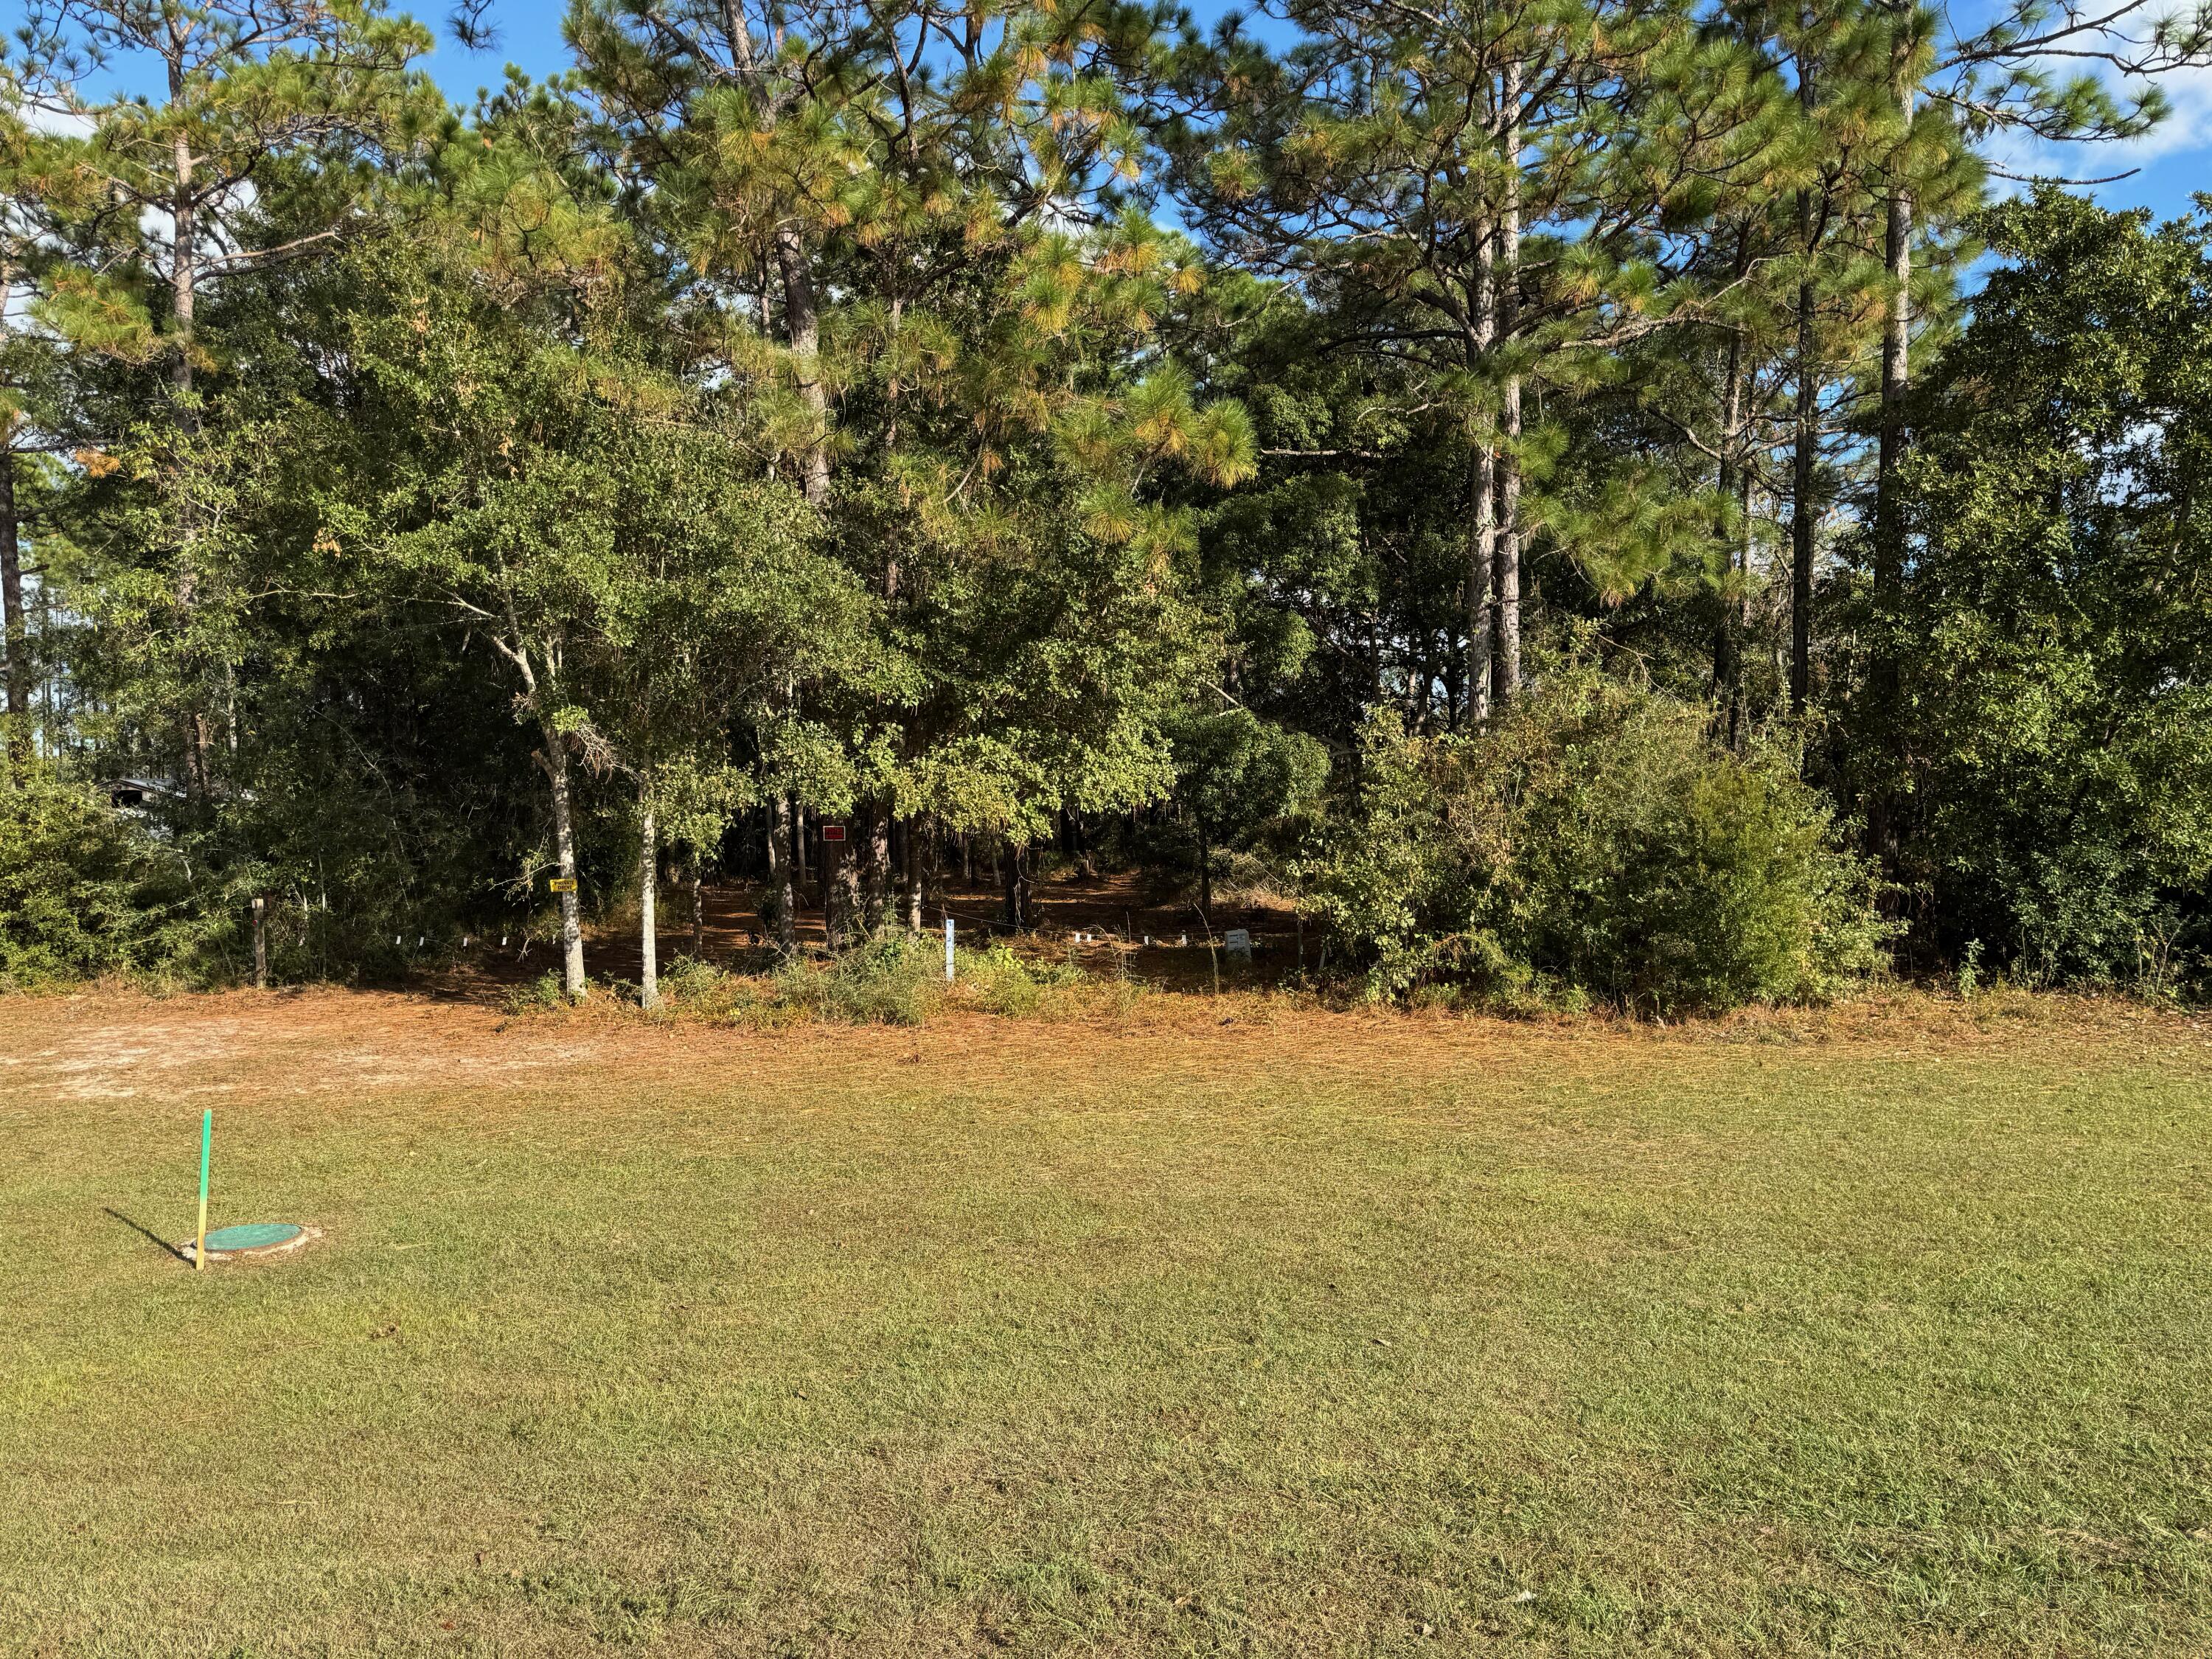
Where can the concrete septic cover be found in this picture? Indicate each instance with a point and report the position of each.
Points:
(252, 1238)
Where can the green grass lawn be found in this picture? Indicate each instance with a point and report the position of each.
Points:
(1321, 1336)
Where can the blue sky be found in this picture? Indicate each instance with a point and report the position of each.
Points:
(2165, 168)
(2170, 164)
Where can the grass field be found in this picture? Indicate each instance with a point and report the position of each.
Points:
(1882, 1331)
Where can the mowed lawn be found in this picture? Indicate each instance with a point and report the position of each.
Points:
(1885, 1331)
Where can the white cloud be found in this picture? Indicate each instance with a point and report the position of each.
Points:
(2187, 129)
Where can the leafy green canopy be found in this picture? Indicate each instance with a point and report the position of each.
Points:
(901, 240)
(1595, 841)
(85, 891)
(2055, 706)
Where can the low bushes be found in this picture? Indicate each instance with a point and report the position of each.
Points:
(1593, 842)
(898, 979)
(86, 890)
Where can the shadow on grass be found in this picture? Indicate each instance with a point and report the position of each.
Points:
(151, 1236)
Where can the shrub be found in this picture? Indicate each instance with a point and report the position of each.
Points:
(1593, 840)
(690, 978)
(998, 981)
(538, 995)
(896, 980)
(85, 891)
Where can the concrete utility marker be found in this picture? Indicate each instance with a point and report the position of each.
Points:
(245, 1239)
(249, 1239)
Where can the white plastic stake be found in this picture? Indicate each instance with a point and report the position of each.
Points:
(948, 950)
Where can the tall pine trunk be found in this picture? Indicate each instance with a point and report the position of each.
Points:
(184, 293)
(648, 921)
(1727, 656)
(17, 634)
(1896, 347)
(184, 266)
(1505, 664)
(802, 331)
(1888, 511)
(801, 322)
(1804, 464)
(1482, 518)
(1807, 445)
(1739, 729)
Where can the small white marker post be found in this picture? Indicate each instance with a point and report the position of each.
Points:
(948, 950)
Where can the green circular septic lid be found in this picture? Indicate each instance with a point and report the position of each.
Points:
(253, 1236)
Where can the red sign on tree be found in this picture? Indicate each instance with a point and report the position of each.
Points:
(833, 832)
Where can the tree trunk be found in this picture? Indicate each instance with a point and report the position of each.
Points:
(1896, 367)
(1505, 664)
(554, 758)
(1801, 520)
(17, 634)
(801, 324)
(841, 894)
(1728, 657)
(698, 905)
(1086, 862)
(783, 890)
(1205, 869)
(802, 328)
(1481, 517)
(914, 840)
(184, 285)
(1015, 876)
(1740, 707)
(1807, 445)
(878, 901)
(1889, 510)
(648, 920)
(183, 268)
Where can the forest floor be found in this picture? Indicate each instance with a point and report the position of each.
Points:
(1211, 1325)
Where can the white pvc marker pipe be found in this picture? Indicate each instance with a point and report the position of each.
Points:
(948, 950)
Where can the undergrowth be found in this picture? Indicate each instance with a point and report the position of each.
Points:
(894, 980)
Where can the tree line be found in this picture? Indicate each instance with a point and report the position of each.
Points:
(1589, 497)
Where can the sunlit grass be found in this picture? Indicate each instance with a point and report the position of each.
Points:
(1332, 1335)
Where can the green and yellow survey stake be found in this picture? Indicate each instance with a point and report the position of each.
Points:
(207, 1145)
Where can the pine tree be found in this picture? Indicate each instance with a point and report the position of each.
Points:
(249, 88)
(1473, 191)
